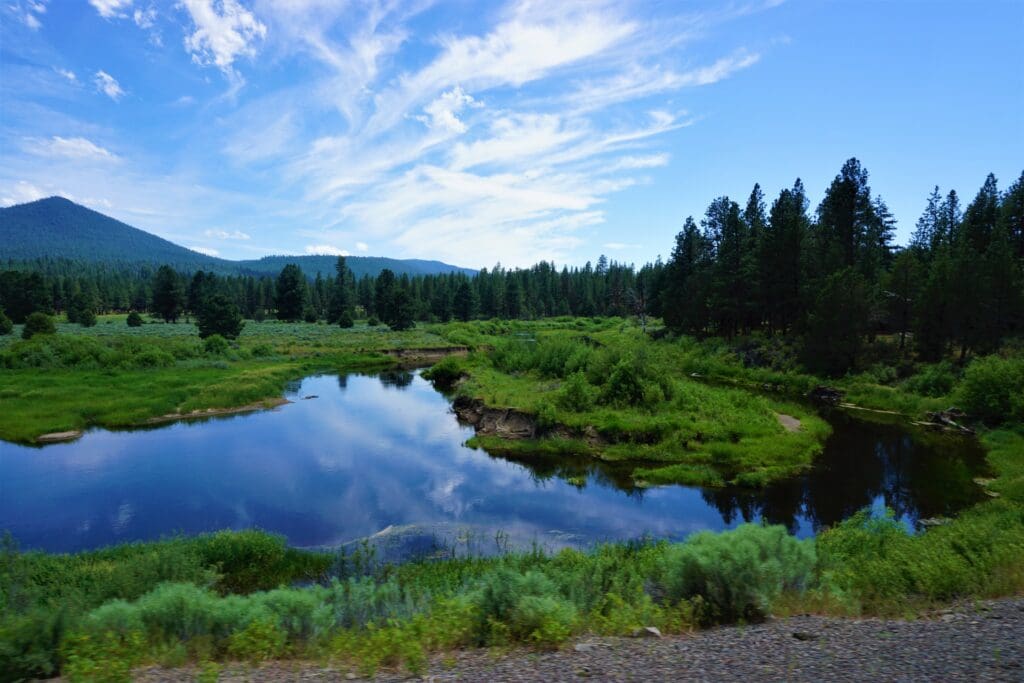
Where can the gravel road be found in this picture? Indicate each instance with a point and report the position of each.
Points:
(977, 642)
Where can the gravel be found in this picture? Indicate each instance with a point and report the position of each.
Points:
(982, 641)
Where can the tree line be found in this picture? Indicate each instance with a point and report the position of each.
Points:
(835, 280)
(831, 278)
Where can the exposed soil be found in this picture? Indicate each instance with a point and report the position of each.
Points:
(507, 423)
(975, 642)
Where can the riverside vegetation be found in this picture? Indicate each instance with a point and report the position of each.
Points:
(682, 378)
(247, 596)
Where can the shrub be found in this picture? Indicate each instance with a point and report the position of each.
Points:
(624, 386)
(215, 345)
(345, 320)
(38, 323)
(87, 317)
(6, 326)
(446, 372)
(134, 319)
(576, 394)
(544, 620)
(992, 389)
(372, 321)
(259, 641)
(934, 380)
(737, 574)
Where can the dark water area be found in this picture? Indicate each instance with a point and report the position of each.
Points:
(382, 456)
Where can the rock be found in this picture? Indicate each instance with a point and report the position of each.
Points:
(647, 632)
(934, 521)
(306, 398)
(804, 635)
(350, 676)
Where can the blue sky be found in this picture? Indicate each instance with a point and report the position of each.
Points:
(477, 132)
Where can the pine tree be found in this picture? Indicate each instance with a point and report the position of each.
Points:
(290, 297)
(340, 299)
(168, 294)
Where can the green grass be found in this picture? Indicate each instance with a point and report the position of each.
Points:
(609, 392)
(246, 596)
(114, 376)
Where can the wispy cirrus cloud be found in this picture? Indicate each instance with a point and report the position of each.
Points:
(70, 148)
(108, 85)
(502, 136)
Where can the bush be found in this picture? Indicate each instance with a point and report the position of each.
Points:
(372, 321)
(934, 380)
(737, 574)
(6, 326)
(87, 317)
(446, 372)
(993, 389)
(576, 394)
(134, 319)
(345, 320)
(259, 641)
(543, 620)
(624, 386)
(38, 323)
(216, 345)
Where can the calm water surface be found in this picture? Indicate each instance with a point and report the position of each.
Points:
(373, 454)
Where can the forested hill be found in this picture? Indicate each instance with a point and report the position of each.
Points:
(359, 265)
(56, 228)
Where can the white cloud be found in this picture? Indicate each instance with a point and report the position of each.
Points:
(145, 19)
(723, 68)
(28, 12)
(223, 32)
(109, 9)
(68, 74)
(326, 250)
(226, 235)
(108, 85)
(71, 148)
(206, 250)
(184, 101)
(362, 246)
(20, 193)
(441, 114)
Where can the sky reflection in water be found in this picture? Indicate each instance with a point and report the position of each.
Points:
(372, 452)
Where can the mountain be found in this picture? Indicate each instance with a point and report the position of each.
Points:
(57, 228)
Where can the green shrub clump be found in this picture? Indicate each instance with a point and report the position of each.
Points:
(6, 326)
(134, 319)
(992, 389)
(216, 345)
(738, 574)
(38, 323)
(576, 394)
(523, 606)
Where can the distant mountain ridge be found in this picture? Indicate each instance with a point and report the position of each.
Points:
(58, 228)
